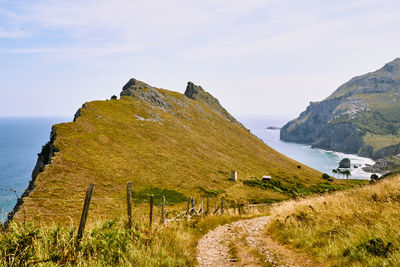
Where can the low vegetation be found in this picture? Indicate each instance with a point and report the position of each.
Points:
(108, 243)
(296, 190)
(356, 227)
(381, 141)
(172, 197)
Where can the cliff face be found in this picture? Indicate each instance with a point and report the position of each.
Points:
(44, 158)
(362, 116)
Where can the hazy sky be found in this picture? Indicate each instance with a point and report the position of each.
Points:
(265, 58)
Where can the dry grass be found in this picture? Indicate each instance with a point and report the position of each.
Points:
(189, 149)
(358, 227)
(107, 243)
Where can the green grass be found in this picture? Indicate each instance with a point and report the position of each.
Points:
(172, 197)
(382, 118)
(188, 149)
(295, 190)
(381, 141)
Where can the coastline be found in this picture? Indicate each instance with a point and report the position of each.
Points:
(315, 157)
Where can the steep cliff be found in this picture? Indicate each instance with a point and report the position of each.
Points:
(362, 116)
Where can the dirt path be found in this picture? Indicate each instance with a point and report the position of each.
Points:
(244, 243)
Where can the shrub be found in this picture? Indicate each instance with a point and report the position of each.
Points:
(325, 176)
(376, 247)
(172, 197)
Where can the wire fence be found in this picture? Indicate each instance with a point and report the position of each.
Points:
(206, 206)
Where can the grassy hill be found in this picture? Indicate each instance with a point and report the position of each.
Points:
(165, 143)
(358, 227)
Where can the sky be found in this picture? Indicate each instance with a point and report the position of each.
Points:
(265, 58)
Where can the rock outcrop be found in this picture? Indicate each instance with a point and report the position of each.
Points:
(196, 92)
(145, 92)
(366, 106)
(344, 163)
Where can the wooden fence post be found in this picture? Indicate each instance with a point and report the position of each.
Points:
(128, 202)
(238, 203)
(226, 207)
(215, 203)
(208, 205)
(188, 208)
(151, 209)
(163, 210)
(193, 203)
(202, 208)
(222, 206)
(234, 208)
(216, 210)
(85, 211)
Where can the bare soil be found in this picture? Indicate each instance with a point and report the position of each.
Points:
(246, 243)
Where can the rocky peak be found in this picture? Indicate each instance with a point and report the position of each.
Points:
(144, 92)
(196, 92)
(134, 84)
(393, 66)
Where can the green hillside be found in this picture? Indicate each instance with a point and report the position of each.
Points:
(162, 141)
(361, 117)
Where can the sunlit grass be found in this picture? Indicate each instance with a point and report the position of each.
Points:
(107, 243)
(188, 149)
(358, 227)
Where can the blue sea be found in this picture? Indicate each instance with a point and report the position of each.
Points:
(21, 140)
(322, 160)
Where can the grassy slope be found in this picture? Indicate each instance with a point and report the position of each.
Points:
(345, 228)
(181, 149)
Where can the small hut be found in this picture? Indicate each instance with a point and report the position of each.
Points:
(266, 178)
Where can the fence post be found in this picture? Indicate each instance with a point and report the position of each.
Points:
(128, 202)
(208, 205)
(151, 210)
(202, 208)
(188, 208)
(234, 208)
(222, 206)
(163, 210)
(226, 207)
(215, 203)
(239, 211)
(85, 211)
(216, 210)
(193, 203)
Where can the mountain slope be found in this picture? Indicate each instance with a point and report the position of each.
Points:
(362, 116)
(162, 141)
